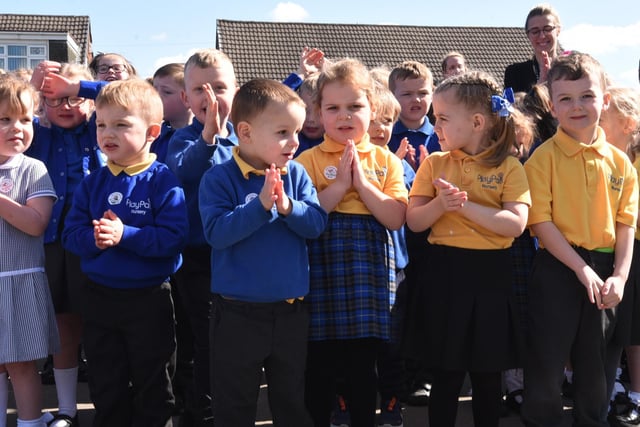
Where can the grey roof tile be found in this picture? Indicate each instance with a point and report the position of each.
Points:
(272, 49)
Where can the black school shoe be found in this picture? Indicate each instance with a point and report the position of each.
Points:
(62, 420)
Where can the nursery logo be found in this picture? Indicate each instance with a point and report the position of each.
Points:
(6, 184)
(249, 197)
(115, 198)
(330, 172)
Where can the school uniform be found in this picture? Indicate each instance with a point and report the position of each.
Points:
(424, 135)
(129, 332)
(189, 157)
(352, 269)
(585, 190)
(258, 317)
(29, 330)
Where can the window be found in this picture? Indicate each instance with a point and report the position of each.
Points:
(15, 56)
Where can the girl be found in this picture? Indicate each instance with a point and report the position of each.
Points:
(474, 197)
(621, 124)
(351, 264)
(28, 330)
(112, 66)
(68, 147)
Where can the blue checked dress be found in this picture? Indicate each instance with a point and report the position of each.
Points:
(28, 328)
(351, 271)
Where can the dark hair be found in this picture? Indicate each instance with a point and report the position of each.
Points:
(95, 63)
(254, 96)
(574, 66)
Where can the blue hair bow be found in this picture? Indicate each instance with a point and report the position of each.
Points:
(502, 104)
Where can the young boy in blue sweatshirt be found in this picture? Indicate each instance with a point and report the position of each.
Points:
(209, 87)
(128, 223)
(258, 210)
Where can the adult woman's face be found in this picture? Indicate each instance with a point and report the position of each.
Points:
(543, 31)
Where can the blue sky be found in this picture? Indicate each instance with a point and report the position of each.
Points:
(151, 34)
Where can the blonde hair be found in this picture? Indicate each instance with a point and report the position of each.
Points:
(347, 71)
(134, 95)
(626, 101)
(18, 95)
(474, 90)
(208, 58)
(385, 102)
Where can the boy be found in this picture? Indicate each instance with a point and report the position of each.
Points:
(169, 82)
(128, 223)
(585, 202)
(412, 84)
(254, 204)
(210, 85)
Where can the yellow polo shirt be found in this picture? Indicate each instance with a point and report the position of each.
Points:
(487, 186)
(583, 189)
(636, 164)
(381, 167)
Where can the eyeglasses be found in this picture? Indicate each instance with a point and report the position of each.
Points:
(72, 101)
(117, 68)
(535, 32)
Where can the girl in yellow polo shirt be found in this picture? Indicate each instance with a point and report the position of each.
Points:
(362, 188)
(474, 196)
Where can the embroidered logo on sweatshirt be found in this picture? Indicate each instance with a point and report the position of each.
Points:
(115, 198)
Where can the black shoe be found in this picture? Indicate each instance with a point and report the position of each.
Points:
(567, 389)
(62, 420)
(512, 402)
(631, 417)
(419, 395)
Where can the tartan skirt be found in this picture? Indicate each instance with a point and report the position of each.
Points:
(351, 271)
(463, 314)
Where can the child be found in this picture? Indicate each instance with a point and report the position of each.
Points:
(351, 263)
(169, 82)
(412, 84)
(474, 196)
(27, 315)
(111, 66)
(585, 203)
(621, 124)
(248, 204)
(312, 132)
(390, 366)
(210, 85)
(67, 145)
(128, 223)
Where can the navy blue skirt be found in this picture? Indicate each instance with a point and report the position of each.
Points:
(463, 313)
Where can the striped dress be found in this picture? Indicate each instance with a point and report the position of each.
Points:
(28, 328)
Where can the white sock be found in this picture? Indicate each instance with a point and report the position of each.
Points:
(4, 399)
(31, 423)
(66, 387)
(634, 396)
(569, 375)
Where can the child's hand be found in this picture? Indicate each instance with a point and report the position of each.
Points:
(58, 86)
(403, 148)
(423, 153)
(611, 292)
(410, 156)
(41, 71)
(359, 178)
(268, 193)
(311, 61)
(593, 283)
(449, 195)
(344, 175)
(212, 123)
(107, 231)
(283, 204)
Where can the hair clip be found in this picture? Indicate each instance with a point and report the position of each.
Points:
(503, 104)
